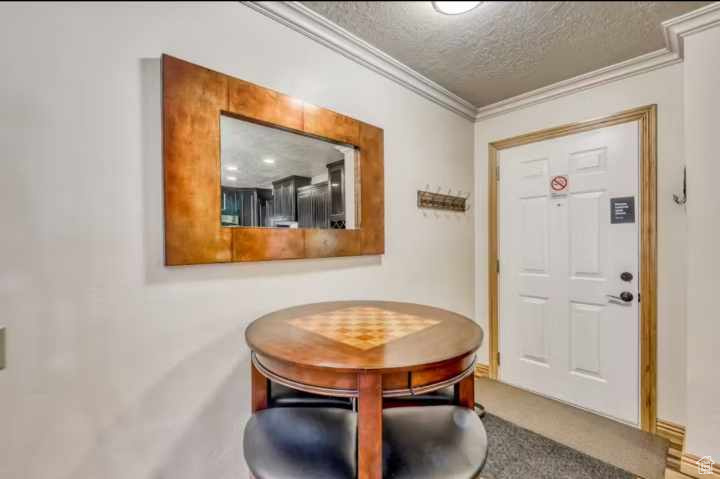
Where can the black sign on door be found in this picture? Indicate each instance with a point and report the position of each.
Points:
(622, 210)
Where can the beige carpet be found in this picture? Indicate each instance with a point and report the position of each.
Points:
(623, 446)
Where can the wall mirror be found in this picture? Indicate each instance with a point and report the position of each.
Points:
(252, 174)
(275, 178)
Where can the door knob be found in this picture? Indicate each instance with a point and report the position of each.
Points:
(625, 296)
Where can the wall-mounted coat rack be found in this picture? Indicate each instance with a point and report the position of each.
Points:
(441, 201)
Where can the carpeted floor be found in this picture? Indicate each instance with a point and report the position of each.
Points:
(625, 447)
(514, 452)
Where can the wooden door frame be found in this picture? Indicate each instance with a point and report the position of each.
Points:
(647, 118)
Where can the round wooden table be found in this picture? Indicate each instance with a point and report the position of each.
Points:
(366, 350)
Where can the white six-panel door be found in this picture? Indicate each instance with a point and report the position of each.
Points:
(560, 332)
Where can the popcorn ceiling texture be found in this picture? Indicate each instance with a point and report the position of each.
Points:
(502, 49)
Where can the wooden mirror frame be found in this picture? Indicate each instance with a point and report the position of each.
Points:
(193, 100)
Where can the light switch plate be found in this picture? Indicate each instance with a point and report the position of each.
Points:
(2, 348)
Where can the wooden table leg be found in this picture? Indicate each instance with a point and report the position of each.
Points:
(369, 426)
(260, 389)
(465, 392)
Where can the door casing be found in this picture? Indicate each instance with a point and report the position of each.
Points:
(646, 116)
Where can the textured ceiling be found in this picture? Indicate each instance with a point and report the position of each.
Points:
(245, 146)
(502, 49)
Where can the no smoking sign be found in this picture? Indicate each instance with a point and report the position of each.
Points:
(559, 185)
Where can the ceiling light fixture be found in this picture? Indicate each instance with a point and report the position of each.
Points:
(269, 161)
(454, 8)
(231, 178)
(231, 168)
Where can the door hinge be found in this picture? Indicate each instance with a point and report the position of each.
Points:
(497, 173)
(497, 266)
(498, 357)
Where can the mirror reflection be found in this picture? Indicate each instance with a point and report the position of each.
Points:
(274, 178)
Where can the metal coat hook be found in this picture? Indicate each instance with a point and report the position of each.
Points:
(681, 200)
(440, 201)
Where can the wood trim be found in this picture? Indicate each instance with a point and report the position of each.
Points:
(193, 99)
(688, 466)
(646, 116)
(482, 370)
(676, 435)
(493, 260)
(648, 269)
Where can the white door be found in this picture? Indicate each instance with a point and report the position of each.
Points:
(561, 333)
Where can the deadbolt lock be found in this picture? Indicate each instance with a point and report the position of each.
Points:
(626, 276)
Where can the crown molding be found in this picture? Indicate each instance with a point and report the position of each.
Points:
(674, 31)
(318, 28)
(635, 66)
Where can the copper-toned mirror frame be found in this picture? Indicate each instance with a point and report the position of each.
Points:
(193, 99)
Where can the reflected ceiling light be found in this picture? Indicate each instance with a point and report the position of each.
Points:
(454, 8)
(231, 178)
(269, 161)
(231, 168)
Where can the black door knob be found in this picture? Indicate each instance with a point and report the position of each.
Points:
(626, 296)
(626, 276)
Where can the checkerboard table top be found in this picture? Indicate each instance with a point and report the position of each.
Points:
(344, 337)
(363, 327)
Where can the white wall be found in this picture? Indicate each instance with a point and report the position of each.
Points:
(664, 88)
(121, 368)
(702, 104)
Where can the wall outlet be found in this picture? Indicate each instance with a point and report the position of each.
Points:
(2, 348)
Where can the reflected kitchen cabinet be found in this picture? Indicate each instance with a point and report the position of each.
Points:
(336, 180)
(246, 206)
(285, 199)
(313, 205)
(266, 208)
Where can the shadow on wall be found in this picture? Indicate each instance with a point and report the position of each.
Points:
(155, 269)
(187, 425)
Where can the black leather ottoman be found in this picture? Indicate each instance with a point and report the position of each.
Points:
(283, 396)
(441, 397)
(446, 442)
(294, 443)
